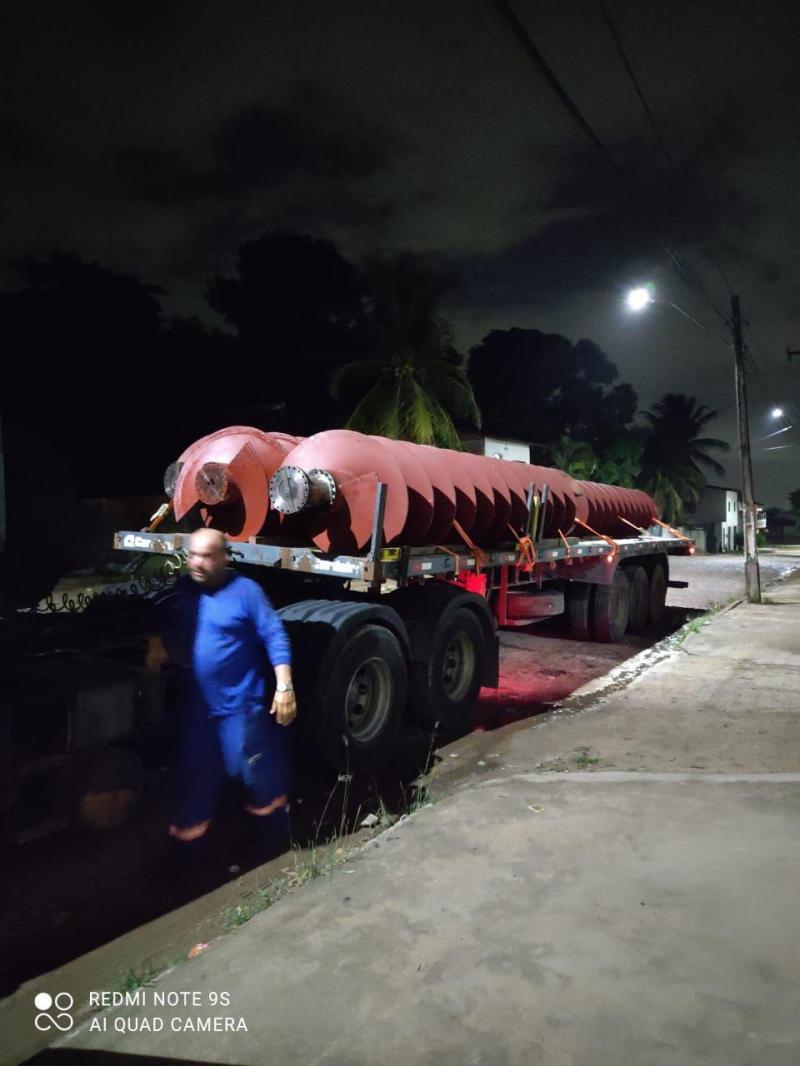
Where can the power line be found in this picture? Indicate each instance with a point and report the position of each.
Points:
(512, 56)
(634, 81)
(771, 387)
(657, 130)
(690, 277)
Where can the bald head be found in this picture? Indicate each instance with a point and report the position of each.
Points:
(207, 558)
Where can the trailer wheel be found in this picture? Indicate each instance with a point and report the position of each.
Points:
(579, 609)
(610, 610)
(364, 696)
(658, 593)
(446, 686)
(639, 598)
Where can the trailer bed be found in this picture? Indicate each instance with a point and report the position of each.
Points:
(574, 558)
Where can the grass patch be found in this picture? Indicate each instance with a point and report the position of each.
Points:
(584, 758)
(694, 625)
(143, 978)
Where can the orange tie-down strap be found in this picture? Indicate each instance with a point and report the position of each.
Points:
(527, 551)
(675, 532)
(602, 536)
(260, 812)
(478, 554)
(190, 832)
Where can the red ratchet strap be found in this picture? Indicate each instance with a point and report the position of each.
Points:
(527, 551)
(675, 532)
(602, 536)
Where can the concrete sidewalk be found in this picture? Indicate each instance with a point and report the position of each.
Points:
(613, 884)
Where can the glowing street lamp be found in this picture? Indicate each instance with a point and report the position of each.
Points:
(776, 412)
(638, 299)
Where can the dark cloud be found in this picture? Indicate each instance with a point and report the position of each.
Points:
(574, 254)
(18, 144)
(602, 234)
(259, 149)
(209, 245)
(263, 147)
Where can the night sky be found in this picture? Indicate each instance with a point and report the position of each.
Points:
(155, 138)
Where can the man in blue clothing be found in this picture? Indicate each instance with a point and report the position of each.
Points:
(221, 628)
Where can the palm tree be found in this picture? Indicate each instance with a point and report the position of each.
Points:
(415, 384)
(675, 455)
(574, 457)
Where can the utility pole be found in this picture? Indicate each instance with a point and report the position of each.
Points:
(752, 577)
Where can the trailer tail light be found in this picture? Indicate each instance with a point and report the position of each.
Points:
(473, 583)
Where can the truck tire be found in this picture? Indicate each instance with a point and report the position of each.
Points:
(445, 688)
(658, 594)
(610, 610)
(363, 698)
(639, 610)
(579, 609)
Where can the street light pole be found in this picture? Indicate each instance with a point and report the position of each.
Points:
(637, 300)
(752, 577)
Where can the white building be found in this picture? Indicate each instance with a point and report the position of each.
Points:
(516, 451)
(717, 511)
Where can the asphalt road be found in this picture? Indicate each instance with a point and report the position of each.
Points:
(542, 664)
(715, 579)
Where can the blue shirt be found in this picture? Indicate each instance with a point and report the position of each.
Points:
(227, 634)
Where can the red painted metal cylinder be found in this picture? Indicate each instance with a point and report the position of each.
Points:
(419, 488)
(227, 473)
(358, 463)
(444, 491)
(433, 494)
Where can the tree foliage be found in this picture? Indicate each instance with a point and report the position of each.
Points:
(675, 454)
(88, 349)
(540, 387)
(575, 457)
(411, 384)
(296, 306)
(779, 520)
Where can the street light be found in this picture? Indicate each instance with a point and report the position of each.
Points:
(776, 412)
(643, 296)
(640, 298)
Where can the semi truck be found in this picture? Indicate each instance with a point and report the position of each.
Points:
(394, 577)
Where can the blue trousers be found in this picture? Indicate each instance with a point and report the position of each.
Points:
(249, 745)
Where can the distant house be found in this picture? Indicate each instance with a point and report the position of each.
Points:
(514, 450)
(717, 511)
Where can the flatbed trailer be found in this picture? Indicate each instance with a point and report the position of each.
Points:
(400, 631)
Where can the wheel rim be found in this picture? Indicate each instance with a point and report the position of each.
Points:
(369, 700)
(458, 667)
